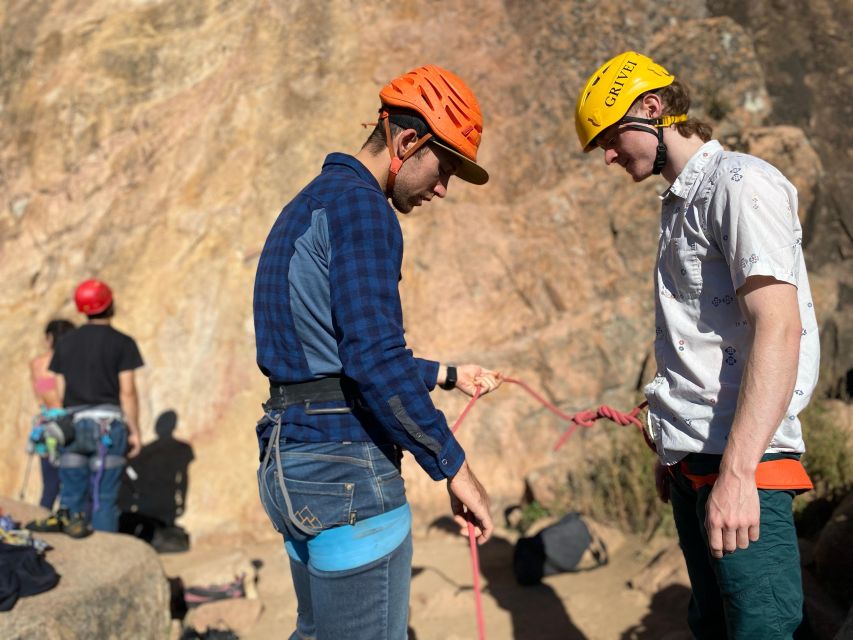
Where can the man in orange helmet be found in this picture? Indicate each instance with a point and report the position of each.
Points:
(346, 395)
(95, 365)
(736, 347)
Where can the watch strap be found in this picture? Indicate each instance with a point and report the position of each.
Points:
(450, 378)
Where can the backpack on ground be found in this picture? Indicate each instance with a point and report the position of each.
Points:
(567, 545)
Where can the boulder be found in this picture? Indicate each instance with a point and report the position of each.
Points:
(111, 586)
(834, 554)
(237, 614)
(789, 150)
(664, 569)
(822, 616)
(846, 631)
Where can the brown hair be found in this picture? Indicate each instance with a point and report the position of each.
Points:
(676, 100)
(399, 120)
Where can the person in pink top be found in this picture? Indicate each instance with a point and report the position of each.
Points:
(48, 396)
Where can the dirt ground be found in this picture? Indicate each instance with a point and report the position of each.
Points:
(591, 605)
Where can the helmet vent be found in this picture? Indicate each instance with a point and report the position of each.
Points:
(459, 109)
(452, 117)
(434, 88)
(426, 98)
(455, 92)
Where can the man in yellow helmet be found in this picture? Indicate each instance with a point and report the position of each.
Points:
(346, 395)
(736, 347)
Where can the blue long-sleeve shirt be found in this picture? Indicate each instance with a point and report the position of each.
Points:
(327, 303)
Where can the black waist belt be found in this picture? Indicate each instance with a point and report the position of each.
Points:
(329, 389)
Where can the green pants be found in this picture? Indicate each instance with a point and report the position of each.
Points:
(753, 593)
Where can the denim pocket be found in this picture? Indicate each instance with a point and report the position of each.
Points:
(316, 506)
(87, 433)
(320, 505)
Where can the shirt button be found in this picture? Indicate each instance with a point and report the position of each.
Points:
(444, 461)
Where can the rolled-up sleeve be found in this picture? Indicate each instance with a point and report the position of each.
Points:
(366, 256)
(753, 221)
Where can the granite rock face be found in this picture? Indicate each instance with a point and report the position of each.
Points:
(152, 144)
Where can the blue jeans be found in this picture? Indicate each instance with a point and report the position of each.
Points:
(90, 472)
(49, 483)
(339, 483)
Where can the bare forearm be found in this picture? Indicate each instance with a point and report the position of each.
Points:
(130, 408)
(765, 393)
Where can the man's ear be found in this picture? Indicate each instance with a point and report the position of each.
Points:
(652, 106)
(404, 140)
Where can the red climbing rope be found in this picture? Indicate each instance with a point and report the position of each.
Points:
(586, 418)
(579, 419)
(472, 539)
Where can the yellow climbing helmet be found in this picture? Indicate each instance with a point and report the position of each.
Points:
(611, 91)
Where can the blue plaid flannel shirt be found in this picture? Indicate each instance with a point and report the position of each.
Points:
(326, 302)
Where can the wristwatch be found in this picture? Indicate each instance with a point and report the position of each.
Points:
(449, 379)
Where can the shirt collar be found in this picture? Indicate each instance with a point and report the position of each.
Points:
(693, 169)
(338, 160)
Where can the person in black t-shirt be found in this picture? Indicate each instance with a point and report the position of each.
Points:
(95, 365)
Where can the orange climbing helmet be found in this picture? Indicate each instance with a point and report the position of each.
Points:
(93, 297)
(450, 109)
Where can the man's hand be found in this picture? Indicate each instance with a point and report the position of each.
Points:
(472, 376)
(134, 445)
(732, 513)
(470, 503)
(662, 481)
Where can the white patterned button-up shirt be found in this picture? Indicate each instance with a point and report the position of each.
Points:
(727, 216)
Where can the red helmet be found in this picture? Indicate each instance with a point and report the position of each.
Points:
(93, 297)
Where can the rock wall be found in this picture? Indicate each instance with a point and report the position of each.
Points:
(153, 143)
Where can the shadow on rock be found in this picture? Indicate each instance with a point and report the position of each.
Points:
(666, 618)
(537, 611)
(154, 489)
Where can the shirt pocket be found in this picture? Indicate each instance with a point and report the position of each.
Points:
(685, 268)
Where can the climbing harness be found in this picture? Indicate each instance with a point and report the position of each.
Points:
(51, 431)
(90, 447)
(328, 389)
(787, 474)
(279, 474)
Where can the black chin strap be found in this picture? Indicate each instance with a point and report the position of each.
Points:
(658, 125)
